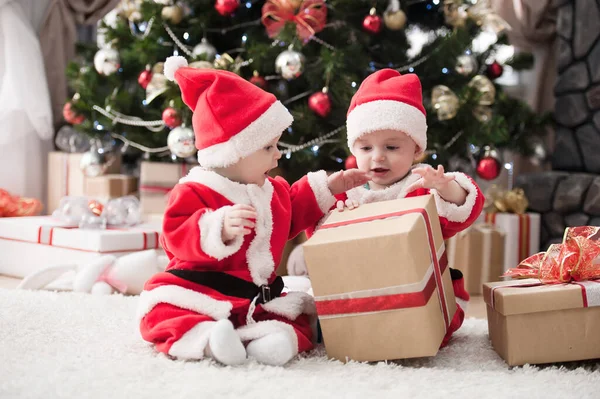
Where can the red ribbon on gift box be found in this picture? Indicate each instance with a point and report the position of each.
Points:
(396, 297)
(574, 261)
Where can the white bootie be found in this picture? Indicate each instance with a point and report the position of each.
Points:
(224, 344)
(274, 349)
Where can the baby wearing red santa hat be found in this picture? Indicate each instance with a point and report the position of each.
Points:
(387, 131)
(225, 228)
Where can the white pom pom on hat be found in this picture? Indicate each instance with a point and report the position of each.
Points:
(172, 64)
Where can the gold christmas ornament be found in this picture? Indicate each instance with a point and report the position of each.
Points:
(159, 67)
(445, 102)
(485, 88)
(173, 14)
(499, 200)
(224, 61)
(455, 14)
(482, 113)
(156, 87)
(483, 14)
(394, 20)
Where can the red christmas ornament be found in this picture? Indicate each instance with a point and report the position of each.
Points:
(145, 77)
(350, 162)
(494, 70)
(258, 80)
(226, 7)
(171, 117)
(320, 103)
(488, 168)
(71, 116)
(372, 22)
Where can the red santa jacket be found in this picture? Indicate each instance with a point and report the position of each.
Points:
(453, 218)
(192, 239)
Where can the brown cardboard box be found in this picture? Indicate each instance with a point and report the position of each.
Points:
(110, 186)
(478, 252)
(376, 272)
(156, 181)
(543, 323)
(65, 177)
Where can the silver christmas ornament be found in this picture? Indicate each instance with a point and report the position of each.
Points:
(181, 142)
(70, 140)
(206, 50)
(540, 153)
(466, 65)
(107, 61)
(96, 161)
(290, 64)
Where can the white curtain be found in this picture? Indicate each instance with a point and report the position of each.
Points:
(26, 128)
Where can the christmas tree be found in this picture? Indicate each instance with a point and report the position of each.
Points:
(313, 55)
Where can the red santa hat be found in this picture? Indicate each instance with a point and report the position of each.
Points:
(388, 100)
(232, 117)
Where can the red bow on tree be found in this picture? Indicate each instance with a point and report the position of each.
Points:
(309, 17)
(577, 258)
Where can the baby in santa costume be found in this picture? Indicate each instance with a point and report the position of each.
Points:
(225, 228)
(387, 130)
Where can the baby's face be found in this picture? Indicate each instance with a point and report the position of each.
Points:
(254, 168)
(386, 154)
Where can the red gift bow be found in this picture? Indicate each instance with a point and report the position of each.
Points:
(12, 206)
(577, 258)
(309, 19)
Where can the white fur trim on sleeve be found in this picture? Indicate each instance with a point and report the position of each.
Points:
(292, 305)
(172, 64)
(185, 299)
(211, 227)
(191, 345)
(453, 212)
(318, 184)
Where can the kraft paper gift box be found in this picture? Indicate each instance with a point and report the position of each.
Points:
(534, 323)
(478, 252)
(381, 282)
(157, 179)
(65, 177)
(29, 244)
(522, 234)
(110, 186)
(554, 317)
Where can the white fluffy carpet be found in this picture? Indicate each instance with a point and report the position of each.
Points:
(68, 345)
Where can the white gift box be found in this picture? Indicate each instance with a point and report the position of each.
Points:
(522, 235)
(28, 244)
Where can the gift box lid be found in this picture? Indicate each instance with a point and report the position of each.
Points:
(524, 296)
(45, 230)
(375, 239)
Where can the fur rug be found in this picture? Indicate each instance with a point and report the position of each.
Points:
(69, 345)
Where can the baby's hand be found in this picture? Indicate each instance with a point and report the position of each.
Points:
(350, 204)
(430, 178)
(344, 180)
(238, 221)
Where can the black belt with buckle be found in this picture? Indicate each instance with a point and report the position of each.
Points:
(230, 285)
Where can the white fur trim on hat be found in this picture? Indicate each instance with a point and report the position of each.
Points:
(387, 114)
(453, 212)
(252, 138)
(172, 64)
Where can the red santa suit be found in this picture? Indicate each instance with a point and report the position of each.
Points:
(207, 280)
(174, 308)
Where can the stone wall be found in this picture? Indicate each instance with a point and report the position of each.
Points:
(570, 194)
(563, 199)
(577, 90)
